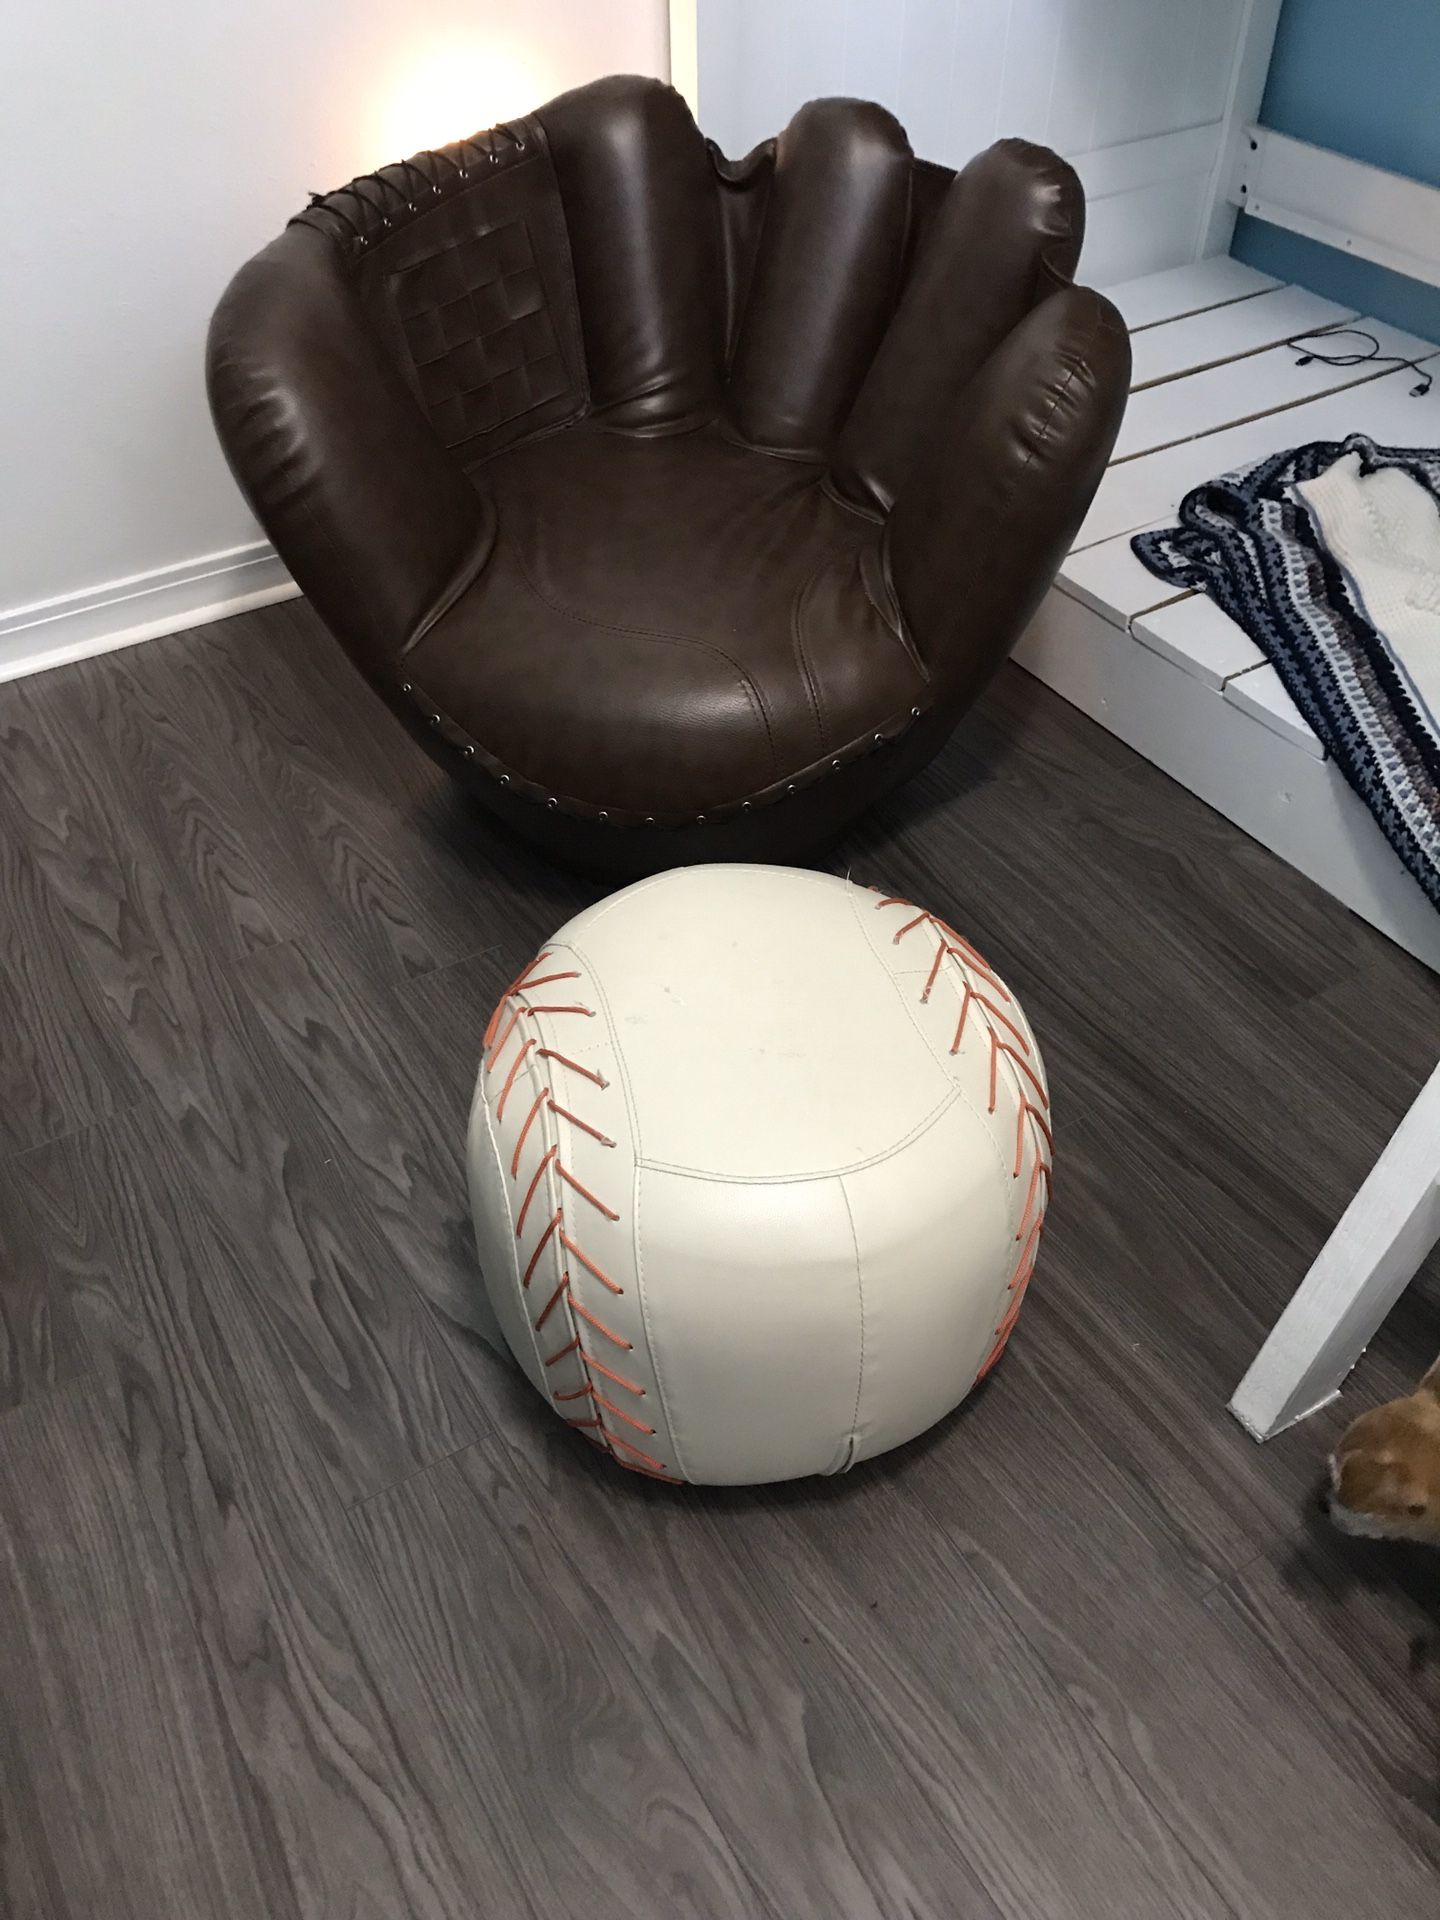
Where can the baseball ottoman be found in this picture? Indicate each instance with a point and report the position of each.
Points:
(759, 1161)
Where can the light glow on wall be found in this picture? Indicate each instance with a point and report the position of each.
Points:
(453, 89)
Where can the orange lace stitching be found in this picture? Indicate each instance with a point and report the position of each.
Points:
(1031, 1125)
(548, 1053)
(585, 1261)
(599, 1366)
(531, 1117)
(540, 1246)
(512, 1009)
(552, 1154)
(617, 1339)
(498, 1048)
(519, 1061)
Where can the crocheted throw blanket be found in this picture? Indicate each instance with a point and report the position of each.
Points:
(1329, 557)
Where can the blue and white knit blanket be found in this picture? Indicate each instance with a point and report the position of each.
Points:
(1329, 557)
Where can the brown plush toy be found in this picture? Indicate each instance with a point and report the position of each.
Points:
(1385, 1470)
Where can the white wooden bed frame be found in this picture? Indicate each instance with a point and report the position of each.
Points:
(1172, 675)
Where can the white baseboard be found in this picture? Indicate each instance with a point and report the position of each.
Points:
(51, 633)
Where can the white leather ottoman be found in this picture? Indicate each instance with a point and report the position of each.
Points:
(758, 1162)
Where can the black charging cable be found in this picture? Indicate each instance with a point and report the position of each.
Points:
(1308, 353)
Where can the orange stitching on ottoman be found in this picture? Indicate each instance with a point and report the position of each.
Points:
(584, 1191)
(517, 985)
(497, 1035)
(1040, 1169)
(1017, 1289)
(619, 1412)
(599, 1325)
(536, 1109)
(1006, 1023)
(953, 946)
(1027, 1259)
(499, 1045)
(556, 1297)
(576, 1121)
(999, 1046)
(1003, 1046)
(510, 1080)
(547, 1053)
(540, 1246)
(920, 920)
(935, 967)
(949, 937)
(591, 1392)
(1033, 1113)
(976, 959)
(552, 1154)
(618, 1440)
(599, 1366)
(586, 1261)
(967, 994)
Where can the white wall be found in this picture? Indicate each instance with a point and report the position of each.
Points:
(1133, 91)
(148, 149)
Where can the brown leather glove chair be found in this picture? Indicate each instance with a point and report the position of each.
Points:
(680, 505)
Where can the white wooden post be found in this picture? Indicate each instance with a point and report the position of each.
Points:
(685, 51)
(1359, 1274)
(1253, 46)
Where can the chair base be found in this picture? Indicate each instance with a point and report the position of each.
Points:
(790, 832)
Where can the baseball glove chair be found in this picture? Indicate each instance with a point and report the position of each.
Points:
(679, 505)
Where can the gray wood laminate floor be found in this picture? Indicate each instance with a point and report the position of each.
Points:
(308, 1608)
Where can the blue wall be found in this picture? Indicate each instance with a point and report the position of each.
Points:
(1361, 77)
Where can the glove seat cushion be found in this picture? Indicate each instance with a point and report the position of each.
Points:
(666, 628)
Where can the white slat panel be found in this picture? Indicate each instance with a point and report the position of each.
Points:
(1025, 86)
(1082, 55)
(1182, 346)
(1121, 80)
(1213, 52)
(1199, 639)
(1155, 226)
(1240, 389)
(1136, 492)
(1261, 694)
(1111, 580)
(1150, 82)
(1157, 297)
(1145, 163)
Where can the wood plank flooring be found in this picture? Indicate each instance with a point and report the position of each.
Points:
(307, 1608)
